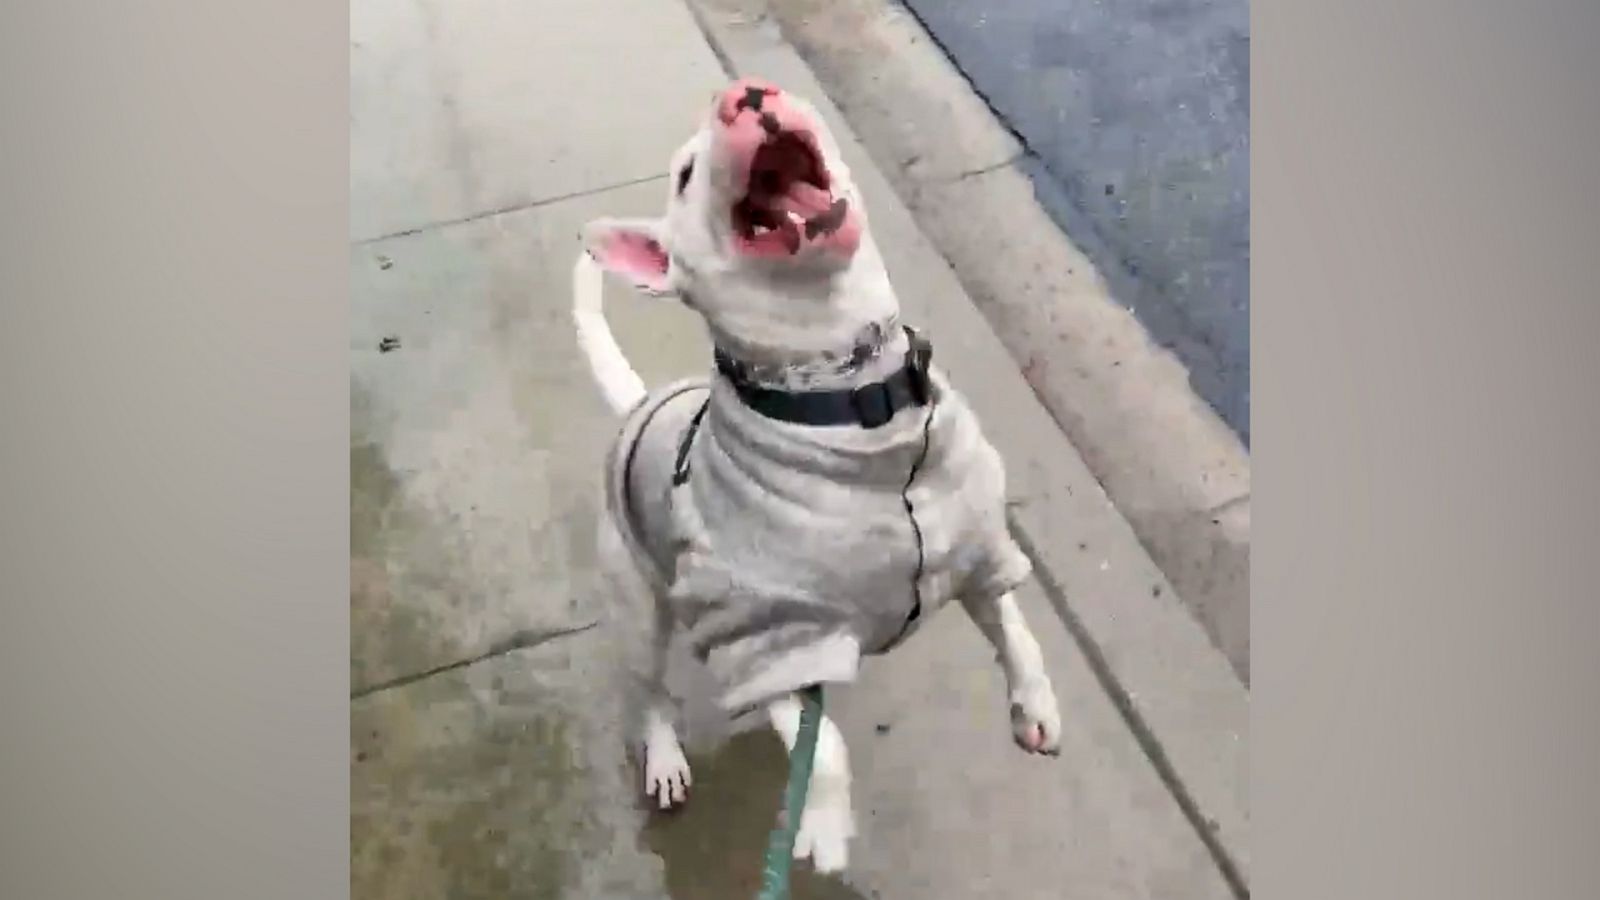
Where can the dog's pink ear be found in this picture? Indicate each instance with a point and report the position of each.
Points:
(632, 249)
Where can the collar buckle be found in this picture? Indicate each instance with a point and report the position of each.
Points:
(919, 359)
(873, 404)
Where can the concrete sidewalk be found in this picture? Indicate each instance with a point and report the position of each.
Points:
(487, 748)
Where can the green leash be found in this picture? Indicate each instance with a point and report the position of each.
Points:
(780, 844)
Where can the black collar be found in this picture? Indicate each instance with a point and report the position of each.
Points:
(869, 405)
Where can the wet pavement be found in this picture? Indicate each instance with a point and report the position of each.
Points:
(487, 746)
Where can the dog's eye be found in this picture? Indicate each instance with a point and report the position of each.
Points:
(684, 175)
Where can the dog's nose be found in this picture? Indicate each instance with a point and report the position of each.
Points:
(746, 93)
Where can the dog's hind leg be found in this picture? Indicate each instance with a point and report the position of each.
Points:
(1035, 715)
(827, 824)
(666, 769)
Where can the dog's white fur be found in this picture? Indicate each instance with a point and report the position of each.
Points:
(812, 303)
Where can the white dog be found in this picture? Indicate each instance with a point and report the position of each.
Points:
(821, 493)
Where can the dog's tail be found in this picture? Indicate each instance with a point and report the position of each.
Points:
(612, 371)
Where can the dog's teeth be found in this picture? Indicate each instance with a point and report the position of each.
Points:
(796, 219)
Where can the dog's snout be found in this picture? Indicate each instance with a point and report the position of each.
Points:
(746, 93)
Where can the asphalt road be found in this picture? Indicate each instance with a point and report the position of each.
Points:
(1136, 117)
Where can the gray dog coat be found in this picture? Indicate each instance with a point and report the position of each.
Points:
(788, 551)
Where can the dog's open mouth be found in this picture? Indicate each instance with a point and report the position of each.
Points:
(787, 202)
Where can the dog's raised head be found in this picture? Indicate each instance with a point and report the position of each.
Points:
(763, 234)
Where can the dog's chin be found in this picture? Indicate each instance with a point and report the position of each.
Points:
(832, 242)
(786, 250)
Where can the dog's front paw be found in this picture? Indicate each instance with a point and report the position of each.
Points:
(666, 772)
(1036, 717)
(826, 827)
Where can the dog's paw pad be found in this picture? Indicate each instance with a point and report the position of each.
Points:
(666, 774)
(824, 836)
(1036, 719)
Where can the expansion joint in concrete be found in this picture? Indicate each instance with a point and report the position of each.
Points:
(1148, 742)
(522, 639)
(503, 210)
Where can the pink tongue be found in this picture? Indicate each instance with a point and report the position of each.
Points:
(804, 200)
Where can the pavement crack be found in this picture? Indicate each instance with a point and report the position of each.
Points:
(1142, 732)
(521, 639)
(503, 210)
(1011, 160)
